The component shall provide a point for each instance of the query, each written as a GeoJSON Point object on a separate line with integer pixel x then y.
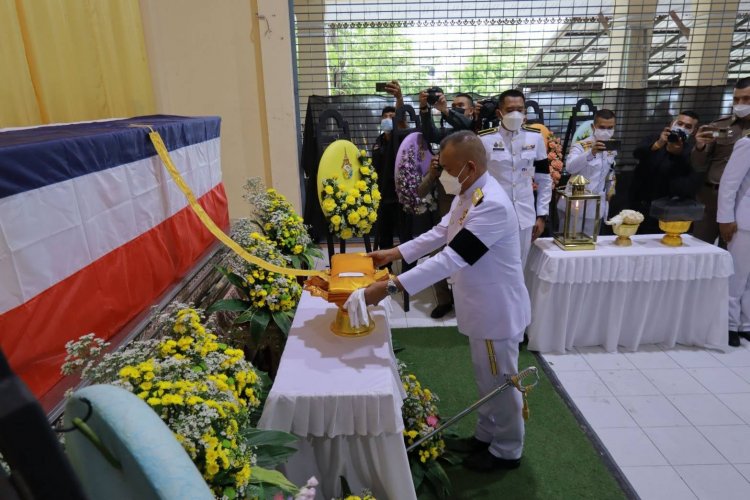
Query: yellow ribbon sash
{"type": "Point", "coordinates": [161, 149]}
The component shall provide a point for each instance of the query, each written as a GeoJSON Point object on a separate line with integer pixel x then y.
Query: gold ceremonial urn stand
{"type": "Point", "coordinates": [624, 232]}
{"type": "Point", "coordinates": [342, 327]}
{"type": "Point", "coordinates": [673, 230]}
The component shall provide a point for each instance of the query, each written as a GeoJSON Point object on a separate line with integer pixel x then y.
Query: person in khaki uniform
{"type": "Point", "coordinates": [713, 147]}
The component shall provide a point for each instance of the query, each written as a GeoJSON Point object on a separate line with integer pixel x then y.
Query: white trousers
{"type": "Point", "coordinates": [500, 420]}
{"type": "Point", "coordinates": [525, 236]}
{"type": "Point", "coordinates": [739, 282]}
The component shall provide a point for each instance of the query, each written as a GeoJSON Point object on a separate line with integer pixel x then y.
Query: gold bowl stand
{"type": "Point", "coordinates": [673, 230]}
{"type": "Point", "coordinates": [343, 328]}
{"type": "Point", "coordinates": [624, 232]}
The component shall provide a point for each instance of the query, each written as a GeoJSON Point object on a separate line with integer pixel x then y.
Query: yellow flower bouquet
{"type": "Point", "coordinates": [204, 390]}
{"type": "Point", "coordinates": [352, 211]}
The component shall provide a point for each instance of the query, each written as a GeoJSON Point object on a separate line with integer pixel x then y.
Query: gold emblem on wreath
{"type": "Point", "coordinates": [347, 167]}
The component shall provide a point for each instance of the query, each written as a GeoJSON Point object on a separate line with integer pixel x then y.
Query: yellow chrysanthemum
{"type": "Point", "coordinates": [353, 218]}
{"type": "Point", "coordinates": [346, 234]}
{"type": "Point", "coordinates": [351, 200]}
{"type": "Point", "coordinates": [329, 189]}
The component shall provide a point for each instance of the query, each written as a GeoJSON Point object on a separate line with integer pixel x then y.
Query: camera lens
{"type": "Point", "coordinates": [432, 95]}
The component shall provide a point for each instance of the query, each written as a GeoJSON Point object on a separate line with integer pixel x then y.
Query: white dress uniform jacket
{"type": "Point", "coordinates": [482, 255]}
{"type": "Point", "coordinates": [734, 206]}
{"type": "Point", "coordinates": [595, 168]}
{"type": "Point", "coordinates": [514, 159]}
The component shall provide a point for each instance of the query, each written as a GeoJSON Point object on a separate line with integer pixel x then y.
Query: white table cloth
{"type": "Point", "coordinates": [342, 397]}
{"type": "Point", "coordinates": [626, 296]}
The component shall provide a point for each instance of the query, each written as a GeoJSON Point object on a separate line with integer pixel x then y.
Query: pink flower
{"type": "Point", "coordinates": [432, 420]}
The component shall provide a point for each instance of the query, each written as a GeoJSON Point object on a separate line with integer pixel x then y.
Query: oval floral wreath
{"type": "Point", "coordinates": [352, 212]}
{"type": "Point", "coordinates": [407, 183]}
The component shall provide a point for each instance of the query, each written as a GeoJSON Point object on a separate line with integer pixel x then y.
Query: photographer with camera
{"type": "Point", "coordinates": [664, 169]}
{"type": "Point", "coordinates": [460, 115]}
{"type": "Point", "coordinates": [713, 147]}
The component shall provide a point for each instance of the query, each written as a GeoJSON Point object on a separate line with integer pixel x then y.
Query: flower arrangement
{"type": "Point", "coordinates": [421, 416]}
{"type": "Point", "coordinates": [279, 221]}
{"type": "Point", "coordinates": [554, 155]}
{"type": "Point", "coordinates": [629, 217]}
{"type": "Point", "coordinates": [202, 389]}
{"type": "Point", "coordinates": [264, 296]}
{"type": "Point", "coordinates": [352, 212]}
{"type": "Point", "coordinates": [407, 182]}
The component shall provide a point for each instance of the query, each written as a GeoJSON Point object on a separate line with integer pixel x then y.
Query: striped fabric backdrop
{"type": "Point", "coordinates": [93, 229]}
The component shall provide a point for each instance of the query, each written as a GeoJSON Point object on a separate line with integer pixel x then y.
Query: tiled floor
{"type": "Point", "coordinates": [676, 421]}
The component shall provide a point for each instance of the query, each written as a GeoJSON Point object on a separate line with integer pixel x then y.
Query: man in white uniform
{"type": "Point", "coordinates": [733, 216]}
{"type": "Point", "coordinates": [592, 159]}
{"type": "Point", "coordinates": [483, 257]}
{"type": "Point", "coordinates": [516, 155]}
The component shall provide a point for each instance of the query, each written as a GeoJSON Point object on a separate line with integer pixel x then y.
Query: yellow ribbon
{"type": "Point", "coordinates": [210, 225]}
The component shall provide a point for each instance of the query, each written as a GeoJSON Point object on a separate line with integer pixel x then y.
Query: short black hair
{"type": "Point", "coordinates": [511, 93]}
{"type": "Point", "coordinates": [691, 114]}
{"type": "Point", "coordinates": [742, 83]}
{"type": "Point", "coordinates": [604, 114]}
{"type": "Point", "coordinates": [467, 96]}
{"type": "Point", "coordinates": [388, 109]}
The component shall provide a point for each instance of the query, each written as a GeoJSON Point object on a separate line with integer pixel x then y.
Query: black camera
{"type": "Point", "coordinates": [432, 95]}
{"type": "Point", "coordinates": [487, 111]}
{"type": "Point", "coordinates": [677, 135]}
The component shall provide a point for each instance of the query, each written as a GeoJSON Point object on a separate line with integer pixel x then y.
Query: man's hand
{"type": "Point", "coordinates": [422, 100]}
{"type": "Point", "coordinates": [435, 170]}
{"type": "Point", "coordinates": [704, 137]}
{"type": "Point", "coordinates": [381, 258]}
{"type": "Point", "coordinates": [538, 228]}
{"type": "Point", "coordinates": [727, 230]}
{"type": "Point", "coordinates": [375, 293]}
{"type": "Point", "coordinates": [663, 139]}
{"type": "Point", "coordinates": [394, 88]}
{"type": "Point", "coordinates": [441, 104]}
{"type": "Point", "coordinates": [598, 147]}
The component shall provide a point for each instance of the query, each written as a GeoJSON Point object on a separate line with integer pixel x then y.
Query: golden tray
{"type": "Point", "coordinates": [349, 272]}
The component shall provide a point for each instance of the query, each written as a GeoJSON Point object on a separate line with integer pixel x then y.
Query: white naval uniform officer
{"type": "Point", "coordinates": [482, 255]}
{"type": "Point", "coordinates": [590, 159]}
{"type": "Point", "coordinates": [516, 156]}
{"type": "Point", "coordinates": [733, 216]}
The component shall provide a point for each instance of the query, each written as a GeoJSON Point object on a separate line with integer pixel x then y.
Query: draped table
{"type": "Point", "coordinates": [342, 397]}
{"type": "Point", "coordinates": [613, 296]}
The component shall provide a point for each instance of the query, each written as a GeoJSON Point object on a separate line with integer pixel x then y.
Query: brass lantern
{"type": "Point", "coordinates": [579, 202]}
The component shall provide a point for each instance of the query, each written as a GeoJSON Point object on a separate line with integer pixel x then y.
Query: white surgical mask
{"type": "Point", "coordinates": [386, 124]}
{"type": "Point", "coordinates": [513, 120]}
{"type": "Point", "coordinates": [741, 110]}
{"type": "Point", "coordinates": [603, 134]}
{"type": "Point", "coordinates": [451, 184]}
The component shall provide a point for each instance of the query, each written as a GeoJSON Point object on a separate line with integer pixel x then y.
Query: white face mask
{"type": "Point", "coordinates": [741, 110]}
{"type": "Point", "coordinates": [451, 184]}
{"type": "Point", "coordinates": [386, 124]}
{"type": "Point", "coordinates": [603, 134]}
{"type": "Point", "coordinates": [513, 120]}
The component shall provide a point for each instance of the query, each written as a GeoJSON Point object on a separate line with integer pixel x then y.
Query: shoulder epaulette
{"type": "Point", "coordinates": [477, 197]}
{"type": "Point", "coordinates": [487, 131]}
{"type": "Point", "coordinates": [531, 129]}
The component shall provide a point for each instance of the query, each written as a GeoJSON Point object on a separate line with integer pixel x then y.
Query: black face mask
{"type": "Point", "coordinates": [460, 111]}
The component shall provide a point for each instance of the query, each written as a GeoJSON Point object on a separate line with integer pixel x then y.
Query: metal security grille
{"type": "Point", "coordinates": [645, 60]}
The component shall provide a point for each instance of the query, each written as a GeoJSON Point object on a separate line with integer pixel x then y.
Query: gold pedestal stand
{"type": "Point", "coordinates": [343, 328]}
{"type": "Point", "coordinates": [673, 230]}
{"type": "Point", "coordinates": [624, 232]}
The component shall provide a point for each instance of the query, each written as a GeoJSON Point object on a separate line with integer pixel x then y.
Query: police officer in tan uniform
{"type": "Point", "coordinates": [483, 256]}
{"type": "Point", "coordinates": [713, 147]}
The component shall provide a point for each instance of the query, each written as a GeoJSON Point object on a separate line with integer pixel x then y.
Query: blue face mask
{"type": "Point", "coordinates": [386, 124]}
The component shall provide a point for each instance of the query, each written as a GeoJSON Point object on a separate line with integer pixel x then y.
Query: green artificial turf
{"type": "Point", "coordinates": [559, 460]}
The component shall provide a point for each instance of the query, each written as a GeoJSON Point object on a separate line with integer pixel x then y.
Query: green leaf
{"type": "Point", "coordinates": [345, 489]}
{"type": "Point", "coordinates": [228, 305]}
{"type": "Point", "coordinates": [417, 472]}
{"type": "Point", "coordinates": [226, 443]}
{"type": "Point", "coordinates": [451, 458]}
{"type": "Point", "coordinates": [295, 261]}
{"type": "Point", "coordinates": [283, 320]}
{"type": "Point", "coordinates": [197, 369]}
{"type": "Point", "coordinates": [230, 493]}
{"type": "Point", "coordinates": [260, 437]}
{"type": "Point", "coordinates": [233, 278]}
{"type": "Point", "coordinates": [439, 480]}
{"type": "Point", "coordinates": [272, 456]}
{"type": "Point", "coordinates": [274, 478]}
{"type": "Point", "coordinates": [259, 322]}
{"type": "Point", "coordinates": [223, 347]}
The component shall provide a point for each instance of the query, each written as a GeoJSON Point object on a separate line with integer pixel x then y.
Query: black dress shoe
{"type": "Point", "coordinates": [744, 335]}
{"type": "Point", "coordinates": [466, 445]}
{"type": "Point", "coordinates": [441, 310]}
{"type": "Point", "coordinates": [484, 461]}
{"type": "Point", "coordinates": [734, 339]}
